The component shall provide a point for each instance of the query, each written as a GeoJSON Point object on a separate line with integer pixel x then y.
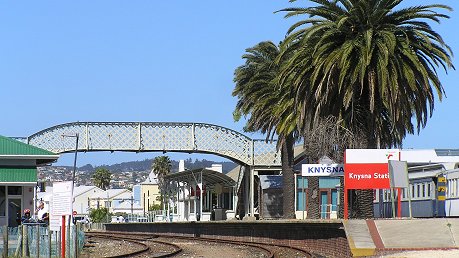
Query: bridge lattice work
{"type": "Point", "coordinates": [158, 136]}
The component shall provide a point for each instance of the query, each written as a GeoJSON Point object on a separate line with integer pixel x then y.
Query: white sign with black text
{"type": "Point", "coordinates": [322, 170]}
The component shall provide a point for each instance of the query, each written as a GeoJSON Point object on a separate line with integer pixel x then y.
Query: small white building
{"type": "Point", "coordinates": [216, 200]}
{"type": "Point", "coordinates": [110, 198]}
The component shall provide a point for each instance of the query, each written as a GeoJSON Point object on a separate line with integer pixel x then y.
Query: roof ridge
{"type": "Point", "coordinates": [15, 147]}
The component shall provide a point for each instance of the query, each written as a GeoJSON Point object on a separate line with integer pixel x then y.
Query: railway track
{"type": "Point", "coordinates": [168, 246]}
{"type": "Point", "coordinates": [146, 244]}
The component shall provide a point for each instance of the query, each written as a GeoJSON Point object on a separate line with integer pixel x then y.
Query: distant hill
{"type": "Point", "coordinates": [145, 165]}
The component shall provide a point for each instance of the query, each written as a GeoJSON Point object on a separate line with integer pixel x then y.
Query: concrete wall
{"type": "Point", "coordinates": [328, 239]}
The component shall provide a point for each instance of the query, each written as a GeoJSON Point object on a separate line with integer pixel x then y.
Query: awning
{"type": "Point", "coordinates": [18, 174]}
{"type": "Point", "coordinates": [209, 177]}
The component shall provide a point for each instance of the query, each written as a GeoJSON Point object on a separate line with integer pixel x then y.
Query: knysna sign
{"type": "Point", "coordinates": [322, 170]}
{"type": "Point", "coordinates": [368, 169]}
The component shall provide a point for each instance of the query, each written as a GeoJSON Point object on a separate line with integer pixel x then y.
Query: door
{"type": "Point", "coordinates": [324, 213]}
{"type": "Point", "coordinates": [14, 211]}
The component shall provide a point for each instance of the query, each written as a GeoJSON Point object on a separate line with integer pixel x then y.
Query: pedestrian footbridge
{"type": "Point", "coordinates": [157, 136]}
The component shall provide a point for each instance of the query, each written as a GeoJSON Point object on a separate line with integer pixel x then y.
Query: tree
{"type": "Point", "coordinates": [161, 166]}
{"type": "Point", "coordinates": [101, 178]}
{"type": "Point", "coordinates": [269, 108]}
{"type": "Point", "coordinates": [369, 65]}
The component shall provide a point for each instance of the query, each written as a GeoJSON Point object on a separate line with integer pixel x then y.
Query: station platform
{"type": "Point", "coordinates": [371, 237]}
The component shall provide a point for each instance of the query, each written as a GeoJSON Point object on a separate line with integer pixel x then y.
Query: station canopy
{"type": "Point", "coordinates": [209, 177]}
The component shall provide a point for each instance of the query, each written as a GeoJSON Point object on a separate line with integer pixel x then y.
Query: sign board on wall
{"type": "Point", "coordinates": [322, 170]}
{"type": "Point", "coordinates": [368, 168]}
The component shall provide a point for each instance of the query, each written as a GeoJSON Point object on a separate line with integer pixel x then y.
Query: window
{"type": "Point", "coordinates": [412, 191]}
{"type": "Point", "coordinates": [2, 201]}
{"type": "Point", "coordinates": [418, 192]}
{"type": "Point", "coordinates": [14, 190]}
{"type": "Point", "coordinates": [424, 190]}
{"type": "Point", "coordinates": [429, 189]}
{"type": "Point", "coordinates": [301, 199]}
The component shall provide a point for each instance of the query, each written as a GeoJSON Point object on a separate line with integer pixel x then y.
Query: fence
{"type": "Point", "coordinates": [150, 216]}
{"type": "Point", "coordinates": [36, 240]}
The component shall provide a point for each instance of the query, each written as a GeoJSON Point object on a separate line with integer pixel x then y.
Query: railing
{"type": "Point", "coordinates": [158, 136]}
{"type": "Point", "coordinates": [36, 240]}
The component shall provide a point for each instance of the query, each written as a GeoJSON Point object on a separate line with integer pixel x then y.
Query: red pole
{"type": "Point", "coordinates": [399, 203]}
{"type": "Point", "coordinates": [63, 237]}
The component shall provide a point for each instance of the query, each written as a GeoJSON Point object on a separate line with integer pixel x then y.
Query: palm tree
{"type": "Point", "coordinates": [161, 166]}
{"type": "Point", "coordinates": [370, 65]}
{"type": "Point", "coordinates": [269, 108]}
{"type": "Point", "coordinates": [101, 178]}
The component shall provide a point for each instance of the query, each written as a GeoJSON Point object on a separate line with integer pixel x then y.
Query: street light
{"type": "Point", "coordinates": [76, 135]}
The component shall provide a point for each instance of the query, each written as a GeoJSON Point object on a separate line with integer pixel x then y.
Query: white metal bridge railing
{"type": "Point", "coordinates": [158, 136]}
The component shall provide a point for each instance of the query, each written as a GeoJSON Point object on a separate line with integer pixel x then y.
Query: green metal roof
{"type": "Point", "coordinates": [25, 174]}
{"type": "Point", "coordinates": [9, 146]}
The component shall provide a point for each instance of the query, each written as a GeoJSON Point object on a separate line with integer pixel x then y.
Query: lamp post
{"type": "Point", "coordinates": [76, 136]}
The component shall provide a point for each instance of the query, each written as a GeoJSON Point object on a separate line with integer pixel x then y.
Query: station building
{"type": "Point", "coordinates": [18, 177]}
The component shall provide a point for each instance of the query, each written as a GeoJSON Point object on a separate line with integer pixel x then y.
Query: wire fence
{"type": "Point", "coordinates": [36, 240]}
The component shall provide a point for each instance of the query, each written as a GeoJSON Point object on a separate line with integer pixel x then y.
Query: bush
{"type": "Point", "coordinates": [99, 215]}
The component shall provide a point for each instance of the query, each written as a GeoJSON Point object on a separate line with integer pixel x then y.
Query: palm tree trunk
{"type": "Point", "coordinates": [363, 203]}
{"type": "Point", "coordinates": [288, 179]}
{"type": "Point", "coordinates": [313, 198]}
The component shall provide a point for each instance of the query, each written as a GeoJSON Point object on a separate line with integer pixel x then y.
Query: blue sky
{"type": "Point", "coordinates": [111, 60]}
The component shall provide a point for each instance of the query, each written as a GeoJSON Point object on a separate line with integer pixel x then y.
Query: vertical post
{"type": "Point", "coordinates": [247, 192]}
{"type": "Point", "coordinates": [392, 199]}
{"type": "Point", "coordinates": [346, 215]}
{"type": "Point", "coordinates": [75, 239]}
{"type": "Point", "coordinates": [50, 243]}
{"type": "Point", "coordinates": [5, 241]}
{"type": "Point", "coordinates": [409, 200]}
{"type": "Point", "coordinates": [200, 197]}
{"type": "Point", "coordinates": [68, 242]}
{"type": "Point", "coordinates": [87, 136]}
{"type": "Point", "coordinates": [57, 243]}
{"type": "Point", "coordinates": [139, 138]}
{"type": "Point", "coordinates": [304, 195]}
{"type": "Point", "coordinates": [399, 202]}
{"type": "Point", "coordinates": [252, 193]}
{"type": "Point", "coordinates": [25, 241]}
{"type": "Point", "coordinates": [19, 244]}
{"type": "Point", "coordinates": [132, 205]}
{"type": "Point", "coordinates": [253, 152]}
{"type": "Point", "coordinates": [193, 140]}
{"type": "Point", "coordinates": [38, 241]}
{"type": "Point", "coordinates": [63, 237]}
{"type": "Point", "coordinates": [144, 204]}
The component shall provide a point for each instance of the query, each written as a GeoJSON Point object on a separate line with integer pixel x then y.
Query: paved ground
{"type": "Point", "coordinates": [366, 237]}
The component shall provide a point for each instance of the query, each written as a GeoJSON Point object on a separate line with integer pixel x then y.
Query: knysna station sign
{"type": "Point", "coordinates": [367, 169]}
